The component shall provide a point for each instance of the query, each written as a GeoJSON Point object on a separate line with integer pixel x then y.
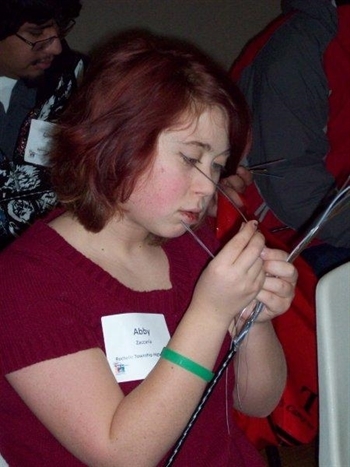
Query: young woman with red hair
{"type": "Point", "coordinates": [94, 294]}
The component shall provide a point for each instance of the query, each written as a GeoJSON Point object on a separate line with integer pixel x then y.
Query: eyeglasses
{"type": "Point", "coordinates": [63, 28]}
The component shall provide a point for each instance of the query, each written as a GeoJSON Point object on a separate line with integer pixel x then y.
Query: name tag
{"type": "Point", "coordinates": [39, 142]}
{"type": "Point", "coordinates": [133, 343]}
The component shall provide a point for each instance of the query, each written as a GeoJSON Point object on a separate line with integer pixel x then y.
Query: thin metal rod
{"type": "Point", "coordinates": [262, 168]}
{"type": "Point", "coordinates": [198, 240]}
{"type": "Point", "coordinates": [264, 173]}
{"type": "Point", "coordinates": [262, 165]}
{"type": "Point", "coordinates": [222, 191]}
{"type": "Point", "coordinates": [337, 204]}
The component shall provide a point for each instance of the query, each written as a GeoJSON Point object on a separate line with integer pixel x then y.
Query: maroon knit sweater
{"type": "Point", "coordinates": [52, 299]}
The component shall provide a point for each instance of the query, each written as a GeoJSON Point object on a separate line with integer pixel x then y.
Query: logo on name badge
{"type": "Point", "coordinates": [119, 368]}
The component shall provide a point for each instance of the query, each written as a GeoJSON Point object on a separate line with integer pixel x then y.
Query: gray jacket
{"type": "Point", "coordinates": [287, 91]}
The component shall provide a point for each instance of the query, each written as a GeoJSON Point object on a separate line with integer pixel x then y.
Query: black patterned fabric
{"type": "Point", "coordinates": [25, 190]}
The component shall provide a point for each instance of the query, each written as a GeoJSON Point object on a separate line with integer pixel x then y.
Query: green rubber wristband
{"type": "Point", "coordinates": [187, 364]}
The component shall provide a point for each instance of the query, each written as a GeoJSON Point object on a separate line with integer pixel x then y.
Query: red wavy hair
{"type": "Point", "coordinates": [135, 88]}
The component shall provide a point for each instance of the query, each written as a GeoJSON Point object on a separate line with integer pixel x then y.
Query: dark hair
{"type": "Point", "coordinates": [14, 13]}
{"type": "Point", "coordinates": [135, 88]}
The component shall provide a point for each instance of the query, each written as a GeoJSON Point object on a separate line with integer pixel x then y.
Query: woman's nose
{"type": "Point", "coordinates": [205, 184]}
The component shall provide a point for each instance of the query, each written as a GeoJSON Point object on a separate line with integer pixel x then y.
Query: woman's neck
{"type": "Point", "coordinates": [123, 251]}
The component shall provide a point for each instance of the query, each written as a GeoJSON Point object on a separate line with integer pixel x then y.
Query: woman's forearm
{"type": "Point", "coordinates": [260, 370]}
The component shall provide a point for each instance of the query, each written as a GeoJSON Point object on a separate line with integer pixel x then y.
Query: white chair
{"type": "Point", "coordinates": [333, 345]}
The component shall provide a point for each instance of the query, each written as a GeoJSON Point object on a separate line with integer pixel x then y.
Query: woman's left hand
{"type": "Point", "coordinates": [278, 290]}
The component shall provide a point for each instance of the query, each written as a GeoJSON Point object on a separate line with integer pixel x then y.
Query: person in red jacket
{"type": "Point", "coordinates": [295, 77]}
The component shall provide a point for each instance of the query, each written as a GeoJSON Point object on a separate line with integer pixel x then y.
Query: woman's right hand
{"type": "Point", "coordinates": [234, 277]}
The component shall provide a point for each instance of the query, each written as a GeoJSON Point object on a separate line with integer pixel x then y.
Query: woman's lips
{"type": "Point", "coordinates": [192, 217]}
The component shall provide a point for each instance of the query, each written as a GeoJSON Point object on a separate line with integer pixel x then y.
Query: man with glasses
{"type": "Point", "coordinates": [38, 73]}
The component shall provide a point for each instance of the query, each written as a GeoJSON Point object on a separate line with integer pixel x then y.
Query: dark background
{"type": "Point", "coordinates": [219, 27]}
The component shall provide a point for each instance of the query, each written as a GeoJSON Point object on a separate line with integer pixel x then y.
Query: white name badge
{"type": "Point", "coordinates": [39, 142]}
{"type": "Point", "coordinates": [133, 343]}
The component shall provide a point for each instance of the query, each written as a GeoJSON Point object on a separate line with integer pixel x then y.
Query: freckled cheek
{"type": "Point", "coordinates": [167, 195]}
{"type": "Point", "coordinates": [171, 192]}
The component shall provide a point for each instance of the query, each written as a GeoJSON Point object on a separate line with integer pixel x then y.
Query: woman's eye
{"type": "Point", "coordinates": [189, 160]}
